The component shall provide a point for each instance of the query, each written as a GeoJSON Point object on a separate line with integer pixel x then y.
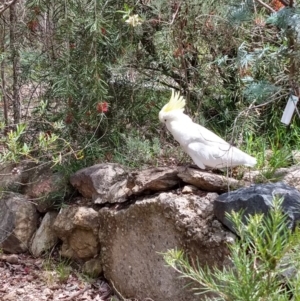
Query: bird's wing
{"type": "Point", "coordinates": [207, 137]}
{"type": "Point", "coordinates": [193, 151]}
{"type": "Point", "coordinates": [218, 155]}
{"type": "Point", "coordinates": [222, 150]}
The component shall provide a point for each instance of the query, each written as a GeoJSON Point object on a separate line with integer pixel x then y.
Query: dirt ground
{"type": "Point", "coordinates": [23, 277]}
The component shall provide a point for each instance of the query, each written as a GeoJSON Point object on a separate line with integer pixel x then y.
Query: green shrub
{"type": "Point", "coordinates": [265, 262]}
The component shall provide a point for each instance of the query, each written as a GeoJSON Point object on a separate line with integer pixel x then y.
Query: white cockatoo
{"type": "Point", "coordinates": [203, 146]}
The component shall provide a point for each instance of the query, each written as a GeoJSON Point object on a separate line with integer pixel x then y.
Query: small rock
{"type": "Point", "coordinates": [292, 177]}
{"type": "Point", "coordinates": [251, 176]}
{"type": "Point", "coordinates": [296, 156]}
{"type": "Point", "coordinates": [10, 296]}
{"type": "Point", "coordinates": [20, 291]}
{"type": "Point", "coordinates": [188, 189]}
{"type": "Point", "coordinates": [47, 291]}
{"type": "Point", "coordinates": [13, 259]}
{"type": "Point", "coordinates": [268, 154]}
{"type": "Point", "coordinates": [45, 237]}
{"type": "Point", "coordinates": [30, 278]}
{"type": "Point", "coordinates": [93, 267]}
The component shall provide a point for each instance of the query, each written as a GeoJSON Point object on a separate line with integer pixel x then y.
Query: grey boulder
{"type": "Point", "coordinates": [258, 199]}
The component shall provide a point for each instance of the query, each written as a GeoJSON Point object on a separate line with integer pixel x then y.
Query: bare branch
{"type": "Point", "coordinates": [285, 3]}
{"type": "Point", "coordinates": [269, 8]}
{"type": "Point", "coordinates": [6, 5]}
{"type": "Point", "coordinates": [175, 14]}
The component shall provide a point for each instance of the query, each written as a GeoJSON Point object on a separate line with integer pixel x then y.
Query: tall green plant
{"type": "Point", "coordinates": [234, 61]}
{"type": "Point", "coordinates": [64, 52]}
{"type": "Point", "coordinates": [101, 69]}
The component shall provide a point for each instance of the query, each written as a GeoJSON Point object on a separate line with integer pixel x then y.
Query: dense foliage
{"type": "Point", "coordinates": [83, 81]}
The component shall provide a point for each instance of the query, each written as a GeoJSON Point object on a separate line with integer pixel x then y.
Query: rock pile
{"type": "Point", "coordinates": [118, 223]}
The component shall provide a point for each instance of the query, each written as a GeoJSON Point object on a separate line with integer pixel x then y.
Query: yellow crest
{"type": "Point", "coordinates": [176, 102]}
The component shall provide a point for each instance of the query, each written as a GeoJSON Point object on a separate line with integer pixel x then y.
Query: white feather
{"type": "Point", "coordinates": [203, 146]}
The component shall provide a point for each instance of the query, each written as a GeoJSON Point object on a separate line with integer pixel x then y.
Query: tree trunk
{"type": "Point", "coordinates": [15, 62]}
{"type": "Point", "coordinates": [2, 72]}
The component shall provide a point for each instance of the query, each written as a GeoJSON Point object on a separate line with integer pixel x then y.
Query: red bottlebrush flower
{"type": "Point", "coordinates": [33, 25]}
{"type": "Point", "coordinates": [69, 118]}
{"type": "Point", "coordinates": [260, 22]}
{"type": "Point", "coordinates": [102, 107]}
{"type": "Point", "coordinates": [36, 10]}
{"type": "Point", "coordinates": [48, 135]}
{"type": "Point", "coordinates": [276, 4]}
{"type": "Point", "coordinates": [178, 52]}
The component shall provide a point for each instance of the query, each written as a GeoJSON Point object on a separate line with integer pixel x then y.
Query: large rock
{"type": "Point", "coordinates": [14, 176]}
{"type": "Point", "coordinates": [7, 220]}
{"type": "Point", "coordinates": [258, 199]}
{"type": "Point", "coordinates": [208, 181]}
{"type": "Point", "coordinates": [133, 238]}
{"type": "Point", "coordinates": [44, 238]}
{"type": "Point", "coordinates": [46, 188]}
{"type": "Point", "coordinates": [18, 222]}
{"type": "Point", "coordinates": [153, 180]}
{"type": "Point", "coordinates": [110, 183]}
{"type": "Point", "coordinates": [78, 228]}
{"type": "Point", "coordinates": [104, 183]}
{"type": "Point", "coordinates": [39, 183]}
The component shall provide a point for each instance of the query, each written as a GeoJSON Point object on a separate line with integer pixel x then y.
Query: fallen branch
{"type": "Point", "coordinates": [266, 6]}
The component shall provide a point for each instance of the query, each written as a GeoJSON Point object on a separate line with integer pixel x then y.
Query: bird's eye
{"type": "Point", "coordinates": [165, 120]}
